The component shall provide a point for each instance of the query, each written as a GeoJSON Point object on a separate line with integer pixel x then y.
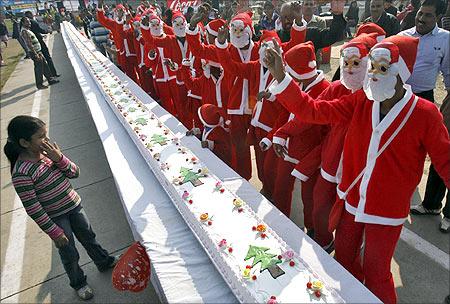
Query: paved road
{"type": "Point", "coordinates": [31, 270]}
{"type": "Point", "coordinates": [30, 267]}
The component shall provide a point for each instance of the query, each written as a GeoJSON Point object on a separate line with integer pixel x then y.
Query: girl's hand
{"type": "Point", "coordinates": [61, 241]}
{"type": "Point", "coordinates": [52, 151]}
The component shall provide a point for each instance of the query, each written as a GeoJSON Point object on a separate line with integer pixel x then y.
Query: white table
{"type": "Point", "coordinates": [181, 270]}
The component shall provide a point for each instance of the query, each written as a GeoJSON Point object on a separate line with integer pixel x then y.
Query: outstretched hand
{"type": "Point", "coordinates": [222, 34]}
{"type": "Point", "coordinates": [274, 62]}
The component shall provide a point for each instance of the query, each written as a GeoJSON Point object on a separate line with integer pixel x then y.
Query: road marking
{"type": "Point", "coordinates": [13, 263]}
{"type": "Point", "coordinates": [422, 245]}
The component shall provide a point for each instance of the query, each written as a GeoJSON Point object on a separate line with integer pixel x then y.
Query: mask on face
{"type": "Point", "coordinates": [353, 71]}
{"type": "Point", "coordinates": [156, 28]}
{"type": "Point", "coordinates": [262, 51]}
{"type": "Point", "coordinates": [240, 42]}
{"type": "Point", "coordinates": [179, 27]}
{"type": "Point", "coordinates": [380, 81]}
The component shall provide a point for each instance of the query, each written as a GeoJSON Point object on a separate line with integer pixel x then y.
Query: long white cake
{"type": "Point", "coordinates": [254, 261]}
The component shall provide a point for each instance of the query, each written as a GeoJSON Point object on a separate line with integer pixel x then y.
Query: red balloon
{"type": "Point", "coordinates": [132, 272]}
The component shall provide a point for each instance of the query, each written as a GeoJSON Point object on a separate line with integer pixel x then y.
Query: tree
{"type": "Point", "coordinates": [190, 176]}
{"type": "Point", "coordinates": [158, 139]}
{"type": "Point", "coordinates": [267, 260]}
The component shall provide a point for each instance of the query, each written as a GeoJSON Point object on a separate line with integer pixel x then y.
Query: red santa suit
{"type": "Point", "coordinates": [178, 49]}
{"type": "Point", "coordinates": [206, 89]}
{"type": "Point", "coordinates": [145, 74]}
{"type": "Point", "coordinates": [215, 135]}
{"type": "Point", "coordinates": [383, 159]}
{"type": "Point", "coordinates": [115, 26]}
{"type": "Point", "coordinates": [164, 78]}
{"type": "Point", "coordinates": [130, 66]}
{"type": "Point", "coordinates": [300, 139]}
{"type": "Point", "coordinates": [241, 101]}
{"type": "Point", "coordinates": [325, 189]}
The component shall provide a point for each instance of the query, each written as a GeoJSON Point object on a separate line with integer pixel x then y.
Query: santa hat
{"type": "Point", "coordinates": [359, 46]}
{"type": "Point", "coordinates": [301, 61]}
{"type": "Point", "coordinates": [210, 115]}
{"type": "Point", "coordinates": [149, 11]}
{"type": "Point", "coordinates": [401, 50]}
{"type": "Point", "coordinates": [137, 18]}
{"type": "Point", "coordinates": [269, 35]}
{"type": "Point", "coordinates": [213, 26]}
{"type": "Point", "coordinates": [154, 17]}
{"type": "Point", "coordinates": [178, 14]}
{"type": "Point", "coordinates": [370, 27]}
{"type": "Point", "coordinates": [244, 20]}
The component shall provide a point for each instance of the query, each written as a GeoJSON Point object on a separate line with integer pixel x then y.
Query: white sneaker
{"type": "Point", "coordinates": [421, 210]}
{"type": "Point", "coordinates": [445, 225]}
{"type": "Point", "coordinates": [85, 293]}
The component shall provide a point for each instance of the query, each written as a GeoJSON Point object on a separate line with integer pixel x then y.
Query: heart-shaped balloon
{"type": "Point", "coordinates": [132, 272]}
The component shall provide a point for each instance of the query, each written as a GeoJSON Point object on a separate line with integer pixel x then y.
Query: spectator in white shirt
{"type": "Point", "coordinates": [433, 55]}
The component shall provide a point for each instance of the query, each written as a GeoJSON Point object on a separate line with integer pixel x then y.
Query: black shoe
{"type": "Point", "coordinates": [310, 233]}
{"type": "Point", "coordinates": [113, 263]}
{"type": "Point", "coordinates": [42, 87]}
{"type": "Point", "coordinates": [53, 81]}
{"type": "Point", "coordinates": [447, 300]}
{"type": "Point", "coordinates": [57, 75]}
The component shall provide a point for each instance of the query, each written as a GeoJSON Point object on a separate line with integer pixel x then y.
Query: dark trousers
{"type": "Point", "coordinates": [75, 222]}
{"type": "Point", "coordinates": [48, 58]}
{"type": "Point", "coordinates": [40, 69]}
{"type": "Point", "coordinates": [435, 192]}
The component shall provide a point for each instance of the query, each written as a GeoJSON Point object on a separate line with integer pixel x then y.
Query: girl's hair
{"type": "Point", "coordinates": [20, 127]}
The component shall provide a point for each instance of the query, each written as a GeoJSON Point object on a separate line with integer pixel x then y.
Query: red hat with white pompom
{"type": "Point", "coordinates": [269, 35]}
{"type": "Point", "coordinates": [243, 20]}
{"type": "Point", "coordinates": [359, 46]}
{"type": "Point", "coordinates": [178, 14]}
{"type": "Point", "coordinates": [369, 28]}
{"type": "Point", "coordinates": [210, 115]}
{"type": "Point", "coordinates": [400, 51]}
{"type": "Point", "coordinates": [213, 26]}
{"type": "Point", "coordinates": [301, 61]}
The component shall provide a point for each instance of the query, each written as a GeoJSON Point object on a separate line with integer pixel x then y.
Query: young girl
{"type": "Point", "coordinates": [40, 174]}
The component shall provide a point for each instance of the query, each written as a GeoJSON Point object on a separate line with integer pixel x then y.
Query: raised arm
{"type": "Point", "coordinates": [109, 23]}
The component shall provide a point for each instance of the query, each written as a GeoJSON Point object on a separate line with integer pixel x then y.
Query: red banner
{"type": "Point", "coordinates": [180, 5]}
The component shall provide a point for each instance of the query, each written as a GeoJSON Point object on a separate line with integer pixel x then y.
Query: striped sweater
{"type": "Point", "coordinates": [45, 190]}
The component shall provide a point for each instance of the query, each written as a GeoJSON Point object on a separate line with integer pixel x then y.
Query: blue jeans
{"type": "Point", "coordinates": [75, 222]}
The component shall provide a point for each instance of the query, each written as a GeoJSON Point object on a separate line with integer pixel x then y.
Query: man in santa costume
{"type": "Point", "coordinates": [144, 73]}
{"type": "Point", "coordinates": [390, 132]}
{"type": "Point", "coordinates": [215, 135]}
{"type": "Point", "coordinates": [294, 141]}
{"type": "Point", "coordinates": [128, 46]}
{"type": "Point", "coordinates": [164, 78]}
{"type": "Point", "coordinates": [178, 49]}
{"type": "Point", "coordinates": [115, 26]}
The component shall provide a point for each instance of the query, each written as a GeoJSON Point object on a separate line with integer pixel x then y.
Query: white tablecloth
{"type": "Point", "coordinates": [181, 270]}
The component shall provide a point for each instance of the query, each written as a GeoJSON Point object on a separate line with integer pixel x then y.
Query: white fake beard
{"type": "Point", "coordinates": [353, 81]}
{"type": "Point", "coordinates": [240, 42]}
{"type": "Point", "coordinates": [382, 89]}
{"type": "Point", "coordinates": [179, 31]}
{"type": "Point", "coordinates": [156, 32]}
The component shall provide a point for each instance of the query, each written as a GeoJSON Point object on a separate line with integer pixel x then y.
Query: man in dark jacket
{"type": "Point", "coordinates": [388, 22]}
{"type": "Point", "coordinates": [38, 31]}
{"type": "Point", "coordinates": [319, 37]}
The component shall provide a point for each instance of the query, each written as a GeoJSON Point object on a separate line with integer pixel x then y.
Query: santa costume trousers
{"type": "Point", "coordinates": [146, 81]}
{"type": "Point", "coordinates": [324, 198]}
{"type": "Point", "coordinates": [270, 171]}
{"type": "Point", "coordinates": [130, 68]}
{"type": "Point", "coordinates": [380, 243]}
{"type": "Point", "coordinates": [241, 149]}
{"type": "Point", "coordinates": [163, 89]}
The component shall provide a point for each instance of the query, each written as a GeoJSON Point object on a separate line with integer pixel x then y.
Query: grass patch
{"type": "Point", "coordinates": [11, 56]}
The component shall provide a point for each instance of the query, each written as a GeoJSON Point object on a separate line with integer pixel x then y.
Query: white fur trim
{"type": "Point", "coordinates": [379, 53]}
{"type": "Point", "coordinates": [374, 219]}
{"type": "Point", "coordinates": [267, 142]}
{"type": "Point", "coordinates": [327, 176]}
{"type": "Point", "coordinates": [299, 28]}
{"type": "Point", "coordinates": [186, 62]}
{"type": "Point", "coordinates": [151, 57]}
{"type": "Point", "coordinates": [312, 64]}
{"type": "Point", "coordinates": [145, 27]}
{"type": "Point", "coordinates": [299, 175]}
{"type": "Point", "coordinates": [380, 38]}
{"type": "Point", "coordinates": [211, 31]}
{"type": "Point", "coordinates": [277, 88]}
{"type": "Point", "coordinates": [193, 95]}
{"type": "Point", "coordinates": [271, 98]}
{"type": "Point", "coordinates": [403, 70]}
{"type": "Point", "coordinates": [290, 159]}
{"type": "Point", "coordinates": [350, 51]}
{"type": "Point", "coordinates": [300, 76]}
{"type": "Point", "coordinates": [204, 122]}
{"type": "Point", "coordinates": [221, 46]}
{"type": "Point", "coordinates": [192, 33]}
{"type": "Point", "coordinates": [279, 140]}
